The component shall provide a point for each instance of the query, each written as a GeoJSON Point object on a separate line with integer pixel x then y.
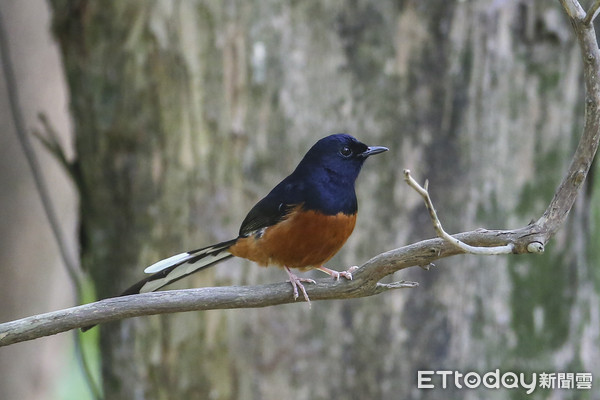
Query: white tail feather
{"type": "Point", "coordinates": [167, 262]}
{"type": "Point", "coordinates": [180, 265]}
{"type": "Point", "coordinates": [180, 271]}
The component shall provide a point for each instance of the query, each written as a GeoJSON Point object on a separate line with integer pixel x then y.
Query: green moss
{"type": "Point", "coordinates": [541, 286]}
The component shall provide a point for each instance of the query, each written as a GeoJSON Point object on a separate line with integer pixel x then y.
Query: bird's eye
{"type": "Point", "coordinates": [346, 151]}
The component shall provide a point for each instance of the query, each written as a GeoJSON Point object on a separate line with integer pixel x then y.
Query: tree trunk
{"type": "Point", "coordinates": [186, 113]}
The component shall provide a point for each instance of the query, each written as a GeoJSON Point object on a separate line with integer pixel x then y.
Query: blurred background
{"type": "Point", "coordinates": [177, 116]}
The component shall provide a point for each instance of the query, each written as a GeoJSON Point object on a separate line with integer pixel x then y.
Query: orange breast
{"type": "Point", "coordinates": [305, 240]}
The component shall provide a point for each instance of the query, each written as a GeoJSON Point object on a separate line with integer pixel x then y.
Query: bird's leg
{"type": "Point", "coordinates": [297, 283]}
{"type": "Point", "coordinates": [336, 274]}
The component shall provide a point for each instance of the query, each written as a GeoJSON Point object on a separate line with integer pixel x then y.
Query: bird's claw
{"type": "Point", "coordinates": [348, 273]}
{"type": "Point", "coordinates": [345, 274]}
{"type": "Point", "coordinates": [297, 283]}
{"type": "Point", "coordinates": [336, 274]}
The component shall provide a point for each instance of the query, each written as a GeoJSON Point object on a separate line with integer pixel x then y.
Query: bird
{"type": "Point", "coordinates": [300, 224]}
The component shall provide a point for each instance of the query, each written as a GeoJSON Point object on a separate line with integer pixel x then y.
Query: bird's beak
{"type": "Point", "coordinates": [373, 150]}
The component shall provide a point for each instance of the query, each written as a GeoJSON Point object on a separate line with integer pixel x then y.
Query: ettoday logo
{"type": "Point", "coordinates": [507, 380]}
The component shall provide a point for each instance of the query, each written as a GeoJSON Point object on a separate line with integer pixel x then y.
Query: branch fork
{"type": "Point", "coordinates": [423, 191]}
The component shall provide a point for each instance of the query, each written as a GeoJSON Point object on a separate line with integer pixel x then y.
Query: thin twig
{"type": "Point", "coordinates": [69, 260]}
{"type": "Point", "coordinates": [496, 250]}
{"type": "Point", "coordinates": [36, 171]}
{"type": "Point", "coordinates": [573, 9]}
{"type": "Point", "coordinates": [51, 142]}
{"type": "Point", "coordinates": [592, 13]}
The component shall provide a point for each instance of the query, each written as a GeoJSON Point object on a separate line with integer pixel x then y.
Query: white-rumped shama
{"type": "Point", "coordinates": [301, 223]}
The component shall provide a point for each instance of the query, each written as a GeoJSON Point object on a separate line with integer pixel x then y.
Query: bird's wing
{"type": "Point", "coordinates": [273, 208]}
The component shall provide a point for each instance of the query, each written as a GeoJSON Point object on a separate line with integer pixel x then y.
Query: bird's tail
{"type": "Point", "coordinates": [179, 266]}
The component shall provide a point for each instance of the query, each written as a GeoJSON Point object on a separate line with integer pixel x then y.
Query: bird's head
{"type": "Point", "coordinates": [339, 155]}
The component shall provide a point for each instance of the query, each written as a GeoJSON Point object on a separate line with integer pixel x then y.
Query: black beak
{"type": "Point", "coordinates": [373, 150]}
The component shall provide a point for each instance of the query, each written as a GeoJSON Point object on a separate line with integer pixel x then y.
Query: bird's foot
{"type": "Point", "coordinates": [336, 274]}
{"type": "Point", "coordinates": [297, 283]}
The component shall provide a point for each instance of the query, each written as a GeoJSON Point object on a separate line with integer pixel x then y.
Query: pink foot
{"type": "Point", "coordinates": [297, 283]}
{"type": "Point", "coordinates": [336, 274]}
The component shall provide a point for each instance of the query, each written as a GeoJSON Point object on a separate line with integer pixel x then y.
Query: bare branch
{"type": "Point", "coordinates": [496, 250]}
{"type": "Point", "coordinates": [51, 142]}
{"type": "Point", "coordinates": [67, 254]}
{"type": "Point", "coordinates": [529, 239]}
{"type": "Point", "coordinates": [565, 195]}
{"type": "Point", "coordinates": [573, 9]}
{"type": "Point", "coordinates": [365, 283]}
{"type": "Point", "coordinates": [592, 13]}
{"type": "Point", "coordinates": [384, 287]}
